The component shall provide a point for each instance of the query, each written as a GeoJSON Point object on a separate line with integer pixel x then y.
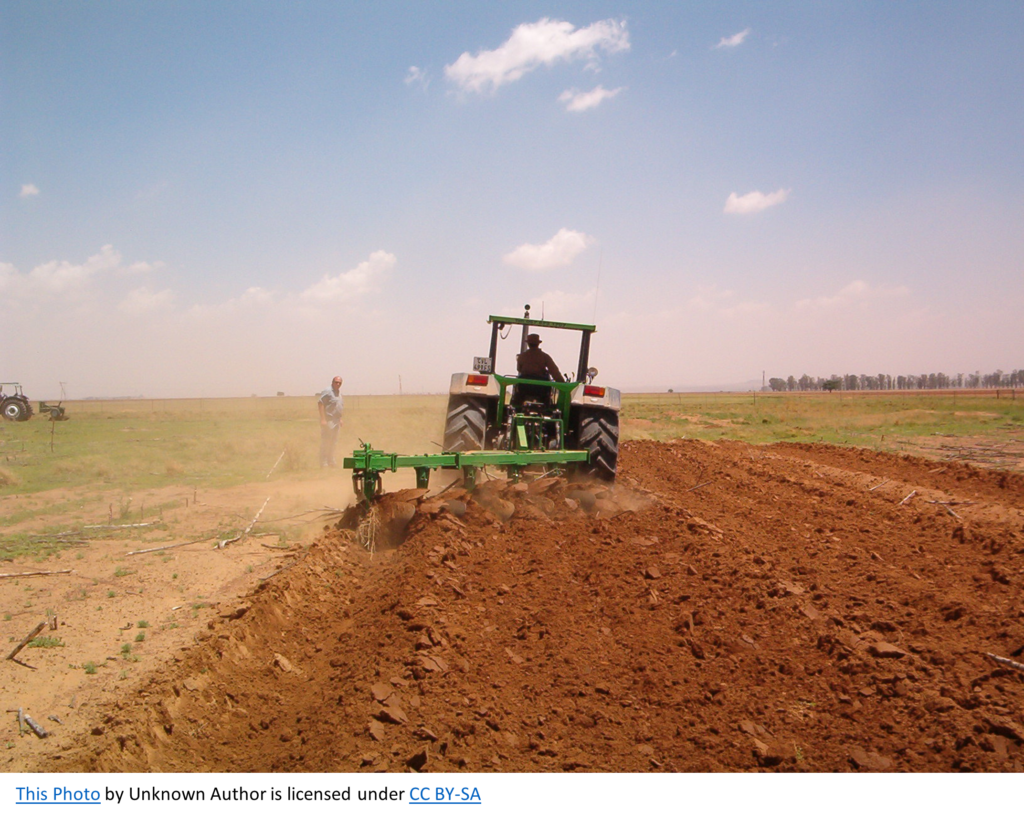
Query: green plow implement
{"type": "Point", "coordinates": [367, 465]}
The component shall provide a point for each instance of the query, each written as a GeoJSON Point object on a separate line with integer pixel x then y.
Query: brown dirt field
{"type": "Point", "coordinates": [102, 591]}
{"type": "Point", "coordinates": [725, 607]}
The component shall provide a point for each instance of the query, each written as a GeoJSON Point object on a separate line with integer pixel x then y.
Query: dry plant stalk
{"type": "Point", "coordinates": [37, 729]}
{"type": "Point", "coordinates": [27, 639]}
{"type": "Point", "coordinates": [271, 471]}
{"type": "Point", "coordinates": [1008, 662]}
{"type": "Point", "coordinates": [368, 530]}
{"type": "Point", "coordinates": [164, 548]}
{"type": "Point", "coordinates": [34, 574]}
{"type": "Point", "coordinates": [221, 544]}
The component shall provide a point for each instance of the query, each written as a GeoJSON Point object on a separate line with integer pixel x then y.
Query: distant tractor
{"type": "Point", "coordinates": [491, 411]}
{"type": "Point", "coordinates": [14, 406]}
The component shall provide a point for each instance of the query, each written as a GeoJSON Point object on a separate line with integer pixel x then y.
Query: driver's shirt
{"type": "Point", "coordinates": [537, 364]}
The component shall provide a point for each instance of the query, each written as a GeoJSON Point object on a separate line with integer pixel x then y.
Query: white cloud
{"type": "Point", "coordinates": [328, 291]}
{"type": "Point", "coordinates": [726, 302]}
{"type": "Point", "coordinates": [733, 40]}
{"type": "Point", "coordinates": [142, 300]}
{"type": "Point", "coordinates": [721, 303]}
{"type": "Point", "coordinates": [60, 278]}
{"type": "Point", "coordinates": [560, 250]}
{"type": "Point", "coordinates": [755, 201]}
{"type": "Point", "coordinates": [8, 276]}
{"type": "Point", "coordinates": [351, 284]}
{"type": "Point", "coordinates": [140, 268]}
{"type": "Point", "coordinates": [29, 190]}
{"type": "Point", "coordinates": [577, 102]}
{"type": "Point", "coordinates": [253, 298]}
{"type": "Point", "coordinates": [415, 75]}
{"type": "Point", "coordinates": [532, 45]}
{"type": "Point", "coordinates": [854, 292]}
{"type": "Point", "coordinates": [257, 296]}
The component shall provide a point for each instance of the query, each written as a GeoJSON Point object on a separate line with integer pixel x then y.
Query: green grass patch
{"type": "Point", "coordinates": [36, 547]}
{"type": "Point", "coordinates": [205, 443]}
{"type": "Point", "coordinates": [841, 418]}
{"type": "Point", "coordinates": [54, 541]}
{"type": "Point", "coordinates": [45, 642]}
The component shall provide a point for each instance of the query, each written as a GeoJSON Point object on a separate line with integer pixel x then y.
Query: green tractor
{"type": "Point", "coordinates": [490, 411]}
{"type": "Point", "coordinates": [520, 424]}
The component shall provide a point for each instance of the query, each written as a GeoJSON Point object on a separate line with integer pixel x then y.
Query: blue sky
{"type": "Point", "coordinates": [232, 198]}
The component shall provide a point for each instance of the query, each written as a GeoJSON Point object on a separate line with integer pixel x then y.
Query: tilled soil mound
{"type": "Point", "coordinates": [724, 608]}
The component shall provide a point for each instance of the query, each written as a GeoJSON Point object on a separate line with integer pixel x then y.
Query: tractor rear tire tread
{"type": "Point", "coordinates": [465, 427]}
{"type": "Point", "coordinates": [599, 434]}
{"type": "Point", "coordinates": [15, 410]}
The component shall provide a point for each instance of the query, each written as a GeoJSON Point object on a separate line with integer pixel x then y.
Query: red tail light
{"type": "Point", "coordinates": [590, 390]}
{"type": "Point", "coordinates": [479, 381]}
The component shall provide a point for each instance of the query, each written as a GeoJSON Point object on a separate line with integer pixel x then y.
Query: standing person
{"type": "Point", "coordinates": [330, 406]}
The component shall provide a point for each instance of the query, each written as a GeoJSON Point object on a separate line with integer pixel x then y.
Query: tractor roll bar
{"type": "Point", "coordinates": [499, 322]}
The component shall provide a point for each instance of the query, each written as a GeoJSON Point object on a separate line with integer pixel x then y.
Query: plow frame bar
{"type": "Point", "coordinates": [367, 465]}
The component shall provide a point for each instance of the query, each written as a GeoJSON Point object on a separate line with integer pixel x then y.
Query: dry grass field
{"type": "Point", "coordinates": [126, 445]}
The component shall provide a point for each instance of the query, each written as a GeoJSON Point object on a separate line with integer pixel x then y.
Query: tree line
{"type": "Point", "coordinates": [883, 381]}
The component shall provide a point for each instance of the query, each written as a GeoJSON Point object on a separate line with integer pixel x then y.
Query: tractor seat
{"type": "Point", "coordinates": [523, 395]}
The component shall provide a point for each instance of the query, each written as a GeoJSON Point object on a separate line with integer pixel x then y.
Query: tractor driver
{"type": "Point", "coordinates": [536, 364]}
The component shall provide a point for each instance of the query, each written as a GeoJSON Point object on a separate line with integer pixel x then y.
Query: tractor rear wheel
{"type": "Point", "coordinates": [598, 433]}
{"type": "Point", "coordinates": [15, 410]}
{"type": "Point", "coordinates": [465, 427]}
